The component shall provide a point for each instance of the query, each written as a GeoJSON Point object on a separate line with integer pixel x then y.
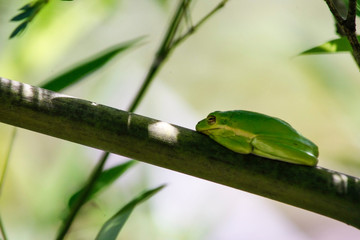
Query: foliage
{"type": "Point", "coordinates": [105, 179]}
{"type": "Point", "coordinates": [334, 46]}
{"type": "Point", "coordinates": [100, 179]}
{"type": "Point", "coordinates": [90, 65]}
{"type": "Point", "coordinates": [112, 227]}
{"type": "Point", "coordinates": [345, 27]}
{"type": "Point", "coordinates": [27, 13]}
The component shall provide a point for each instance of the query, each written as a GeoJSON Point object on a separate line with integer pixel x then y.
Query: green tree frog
{"type": "Point", "coordinates": [250, 132]}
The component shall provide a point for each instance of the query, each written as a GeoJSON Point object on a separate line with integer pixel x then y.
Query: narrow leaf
{"type": "Point", "coordinates": [105, 179]}
{"type": "Point", "coordinates": [90, 65]}
{"type": "Point", "coordinates": [19, 29]}
{"type": "Point", "coordinates": [333, 46]}
{"type": "Point", "coordinates": [26, 6]}
{"type": "Point", "coordinates": [21, 16]}
{"type": "Point", "coordinates": [112, 227]}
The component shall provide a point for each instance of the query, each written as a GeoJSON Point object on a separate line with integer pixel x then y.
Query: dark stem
{"type": "Point", "coordinates": [2, 230]}
{"type": "Point", "coordinates": [161, 54]}
{"type": "Point", "coordinates": [351, 16]}
{"type": "Point", "coordinates": [7, 159]}
{"type": "Point", "coordinates": [347, 27]}
{"type": "Point", "coordinates": [2, 180]}
{"type": "Point", "coordinates": [83, 197]}
{"type": "Point", "coordinates": [195, 27]}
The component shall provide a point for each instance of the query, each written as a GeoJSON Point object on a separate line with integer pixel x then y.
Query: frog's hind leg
{"type": "Point", "coordinates": [283, 149]}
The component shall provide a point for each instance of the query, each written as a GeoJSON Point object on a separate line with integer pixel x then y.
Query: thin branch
{"type": "Point", "coordinates": [202, 21]}
{"type": "Point", "coordinates": [347, 26]}
{"type": "Point", "coordinates": [83, 197]}
{"type": "Point", "coordinates": [7, 160]}
{"type": "Point", "coordinates": [351, 16]}
{"type": "Point", "coordinates": [316, 189]}
{"type": "Point", "coordinates": [161, 54]}
{"type": "Point", "coordinates": [2, 177]}
{"type": "Point", "coordinates": [169, 44]}
{"type": "Point", "coordinates": [334, 11]}
{"type": "Point", "coordinates": [158, 61]}
{"type": "Point", "coordinates": [2, 230]}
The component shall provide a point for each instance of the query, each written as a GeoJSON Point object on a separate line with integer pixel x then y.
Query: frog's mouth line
{"type": "Point", "coordinates": [207, 131]}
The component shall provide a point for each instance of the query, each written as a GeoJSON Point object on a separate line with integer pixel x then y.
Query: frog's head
{"type": "Point", "coordinates": [213, 122]}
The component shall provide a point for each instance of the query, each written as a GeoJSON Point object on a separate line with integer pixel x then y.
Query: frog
{"type": "Point", "coordinates": [248, 132]}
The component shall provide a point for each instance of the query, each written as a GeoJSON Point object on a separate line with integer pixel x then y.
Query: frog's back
{"type": "Point", "coordinates": [258, 123]}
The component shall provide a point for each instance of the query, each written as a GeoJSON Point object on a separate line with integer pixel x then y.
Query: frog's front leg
{"type": "Point", "coordinates": [235, 143]}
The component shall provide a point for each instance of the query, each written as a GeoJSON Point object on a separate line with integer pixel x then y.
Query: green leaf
{"type": "Point", "coordinates": [90, 65]}
{"type": "Point", "coordinates": [106, 178]}
{"type": "Point", "coordinates": [22, 16]}
{"type": "Point", "coordinates": [19, 29]}
{"type": "Point", "coordinates": [333, 46]}
{"type": "Point", "coordinates": [26, 7]}
{"type": "Point", "coordinates": [27, 14]}
{"type": "Point", "coordinates": [29, 10]}
{"type": "Point", "coordinates": [112, 227]}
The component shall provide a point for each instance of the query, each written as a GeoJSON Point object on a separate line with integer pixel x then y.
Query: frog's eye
{"type": "Point", "coordinates": [211, 120]}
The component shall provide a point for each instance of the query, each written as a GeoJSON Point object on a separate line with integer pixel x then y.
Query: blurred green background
{"type": "Point", "coordinates": [244, 57]}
